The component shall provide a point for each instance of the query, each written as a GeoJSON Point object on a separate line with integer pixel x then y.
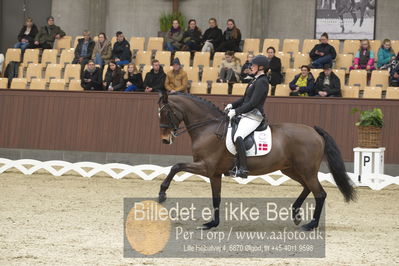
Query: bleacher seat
{"type": "Point", "coordinates": [199, 88]}
{"type": "Point", "coordinates": [282, 90]}
{"type": "Point", "coordinates": [53, 71]}
{"type": "Point", "coordinates": [38, 84]}
{"type": "Point", "coordinates": [220, 88]}
{"type": "Point", "coordinates": [163, 57]}
{"type": "Point", "coordinates": [105, 71]}
{"type": "Point", "coordinates": [49, 56]}
{"type": "Point", "coordinates": [72, 71]}
{"type": "Point", "coordinates": [239, 88]}
{"type": "Point", "coordinates": [19, 83]}
{"type": "Point", "coordinates": [33, 71]}
{"type": "Point", "coordinates": [291, 46]}
{"type": "Point", "coordinates": [63, 43]}
{"type": "Point", "coordinates": [341, 75]}
{"type": "Point", "coordinates": [210, 74]}
{"type": "Point", "coordinates": [395, 45]}
{"type": "Point", "coordinates": [375, 46]}
{"type": "Point", "coordinates": [351, 46]}
{"type": "Point", "coordinates": [344, 61]}
{"type": "Point", "coordinates": [75, 42]}
{"type": "Point", "coordinates": [217, 59]}
{"type": "Point", "coordinates": [192, 73]}
{"type": "Point", "coordinates": [201, 59]}
{"type": "Point", "coordinates": [57, 84]}
{"type": "Point", "coordinates": [316, 72]}
{"type": "Point", "coordinates": [275, 43]}
{"type": "Point", "coordinates": [242, 56]}
{"type": "Point", "coordinates": [155, 43]}
{"type": "Point", "coordinates": [137, 43]}
{"type": "Point", "coordinates": [350, 91]}
{"type": "Point", "coordinates": [75, 85]}
{"type": "Point", "coordinates": [251, 45]}
{"type": "Point", "coordinates": [301, 59]}
{"type": "Point", "coordinates": [358, 77]}
{"type": "Point", "coordinates": [380, 78]}
{"type": "Point", "coordinates": [113, 41]}
{"type": "Point", "coordinates": [336, 44]}
{"type": "Point", "coordinates": [290, 74]}
{"type": "Point", "coordinates": [308, 45]}
{"type": "Point", "coordinates": [285, 60]}
{"type": "Point", "coordinates": [12, 54]}
{"type": "Point", "coordinates": [67, 56]}
{"type": "Point", "coordinates": [184, 58]}
{"type": "Point", "coordinates": [392, 93]}
{"type": "Point", "coordinates": [3, 83]}
{"type": "Point", "coordinates": [31, 56]}
{"type": "Point", "coordinates": [372, 92]}
{"type": "Point", "coordinates": [143, 58]}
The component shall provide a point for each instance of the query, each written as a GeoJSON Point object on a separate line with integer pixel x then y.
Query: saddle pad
{"type": "Point", "coordinates": [263, 143]}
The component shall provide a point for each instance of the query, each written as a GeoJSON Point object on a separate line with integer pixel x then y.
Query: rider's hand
{"type": "Point", "coordinates": [228, 107]}
{"type": "Point", "coordinates": [231, 113]}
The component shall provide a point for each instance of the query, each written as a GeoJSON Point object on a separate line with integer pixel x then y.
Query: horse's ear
{"type": "Point", "coordinates": [163, 97]}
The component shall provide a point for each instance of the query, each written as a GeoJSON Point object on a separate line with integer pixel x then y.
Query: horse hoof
{"type": "Point", "coordinates": [296, 216]}
{"type": "Point", "coordinates": [297, 220]}
{"type": "Point", "coordinates": [161, 197]}
{"type": "Point", "coordinates": [309, 226]}
{"type": "Point", "coordinates": [209, 225]}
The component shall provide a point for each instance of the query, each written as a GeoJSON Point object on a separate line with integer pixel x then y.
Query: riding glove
{"type": "Point", "coordinates": [231, 113]}
{"type": "Point", "coordinates": [228, 107]}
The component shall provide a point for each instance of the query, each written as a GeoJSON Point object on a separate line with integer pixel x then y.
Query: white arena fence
{"type": "Point", "coordinates": [118, 171]}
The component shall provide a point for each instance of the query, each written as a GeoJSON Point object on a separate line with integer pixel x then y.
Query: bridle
{"type": "Point", "coordinates": [174, 126]}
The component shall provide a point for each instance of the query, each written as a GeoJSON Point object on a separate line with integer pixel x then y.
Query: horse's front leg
{"type": "Point", "coordinates": [195, 168]}
{"type": "Point", "coordinates": [216, 184]}
{"type": "Point", "coordinates": [341, 17]}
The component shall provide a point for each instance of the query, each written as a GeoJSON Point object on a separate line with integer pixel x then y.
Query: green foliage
{"type": "Point", "coordinates": [166, 19]}
{"type": "Point", "coordinates": [370, 117]}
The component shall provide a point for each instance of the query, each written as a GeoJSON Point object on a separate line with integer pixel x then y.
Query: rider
{"type": "Point", "coordinates": [250, 109]}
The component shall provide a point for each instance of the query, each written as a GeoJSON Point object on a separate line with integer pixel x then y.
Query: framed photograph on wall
{"type": "Point", "coordinates": [346, 19]}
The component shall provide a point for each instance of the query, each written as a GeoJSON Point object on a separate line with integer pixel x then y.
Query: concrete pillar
{"type": "Point", "coordinates": [97, 16]}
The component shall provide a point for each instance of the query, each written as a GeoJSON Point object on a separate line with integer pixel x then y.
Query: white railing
{"type": "Point", "coordinates": [90, 169]}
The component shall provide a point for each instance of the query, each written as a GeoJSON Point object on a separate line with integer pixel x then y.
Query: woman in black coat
{"type": "Point", "coordinates": [134, 81]}
{"type": "Point", "coordinates": [274, 74]}
{"type": "Point", "coordinates": [26, 36]}
{"type": "Point", "coordinates": [231, 38]}
{"type": "Point", "coordinates": [114, 78]}
{"type": "Point", "coordinates": [212, 36]}
{"type": "Point", "coordinates": [192, 37]}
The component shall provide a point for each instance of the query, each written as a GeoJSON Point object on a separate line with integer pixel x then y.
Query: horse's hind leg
{"type": "Point", "coordinates": [354, 18]}
{"type": "Point", "coordinates": [341, 17]}
{"type": "Point", "coordinates": [320, 195]}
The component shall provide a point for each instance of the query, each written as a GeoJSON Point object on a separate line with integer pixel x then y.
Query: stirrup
{"type": "Point", "coordinates": [237, 172]}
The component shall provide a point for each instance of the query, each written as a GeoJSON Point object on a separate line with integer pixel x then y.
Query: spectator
{"type": "Point", "coordinates": [192, 37]}
{"type": "Point", "coordinates": [364, 58]}
{"type": "Point", "coordinates": [230, 68]}
{"type": "Point", "coordinates": [134, 81]}
{"type": "Point", "coordinates": [385, 55]}
{"type": "Point", "coordinates": [394, 72]}
{"type": "Point", "coordinates": [303, 83]}
{"type": "Point", "coordinates": [114, 77]}
{"type": "Point", "coordinates": [323, 53]}
{"type": "Point", "coordinates": [174, 37]}
{"type": "Point", "coordinates": [155, 79]}
{"type": "Point", "coordinates": [26, 36]}
{"type": "Point", "coordinates": [1, 62]}
{"type": "Point", "coordinates": [83, 50]}
{"type": "Point", "coordinates": [274, 73]}
{"type": "Point", "coordinates": [48, 34]}
{"type": "Point", "coordinates": [102, 51]}
{"type": "Point", "coordinates": [231, 38]}
{"type": "Point", "coordinates": [91, 79]}
{"type": "Point", "coordinates": [327, 84]}
{"type": "Point", "coordinates": [121, 52]}
{"type": "Point", "coordinates": [212, 36]}
{"type": "Point", "coordinates": [246, 72]}
{"type": "Point", "coordinates": [176, 79]}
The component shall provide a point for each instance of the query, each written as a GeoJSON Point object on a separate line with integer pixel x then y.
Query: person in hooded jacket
{"type": "Point", "coordinates": [303, 83]}
{"type": "Point", "coordinates": [231, 38]}
{"type": "Point", "coordinates": [114, 78]}
{"type": "Point", "coordinates": [327, 83]}
{"type": "Point", "coordinates": [48, 34]}
{"type": "Point", "coordinates": [173, 40]}
{"type": "Point", "coordinates": [92, 78]}
{"type": "Point", "coordinates": [121, 52]}
{"type": "Point", "coordinates": [322, 53]}
{"type": "Point", "coordinates": [155, 79]}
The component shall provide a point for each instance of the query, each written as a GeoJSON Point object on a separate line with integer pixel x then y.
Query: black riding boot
{"type": "Point", "coordinates": [241, 170]}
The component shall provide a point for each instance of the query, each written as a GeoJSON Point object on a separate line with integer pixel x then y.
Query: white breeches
{"type": "Point", "coordinates": [208, 47]}
{"type": "Point", "coordinates": [246, 127]}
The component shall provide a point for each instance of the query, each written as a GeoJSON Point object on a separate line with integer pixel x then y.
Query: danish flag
{"type": "Point", "coordinates": [263, 147]}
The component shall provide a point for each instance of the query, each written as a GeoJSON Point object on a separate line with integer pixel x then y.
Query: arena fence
{"type": "Point", "coordinates": [150, 172]}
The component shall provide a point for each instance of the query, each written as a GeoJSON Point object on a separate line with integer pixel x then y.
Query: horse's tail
{"type": "Point", "coordinates": [337, 166]}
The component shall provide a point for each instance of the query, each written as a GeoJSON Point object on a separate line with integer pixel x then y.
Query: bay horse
{"type": "Point", "coordinates": [345, 6]}
{"type": "Point", "coordinates": [297, 151]}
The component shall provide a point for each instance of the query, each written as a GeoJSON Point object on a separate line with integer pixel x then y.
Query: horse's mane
{"type": "Point", "coordinates": [198, 99]}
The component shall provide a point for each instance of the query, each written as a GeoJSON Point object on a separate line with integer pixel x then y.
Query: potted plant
{"type": "Point", "coordinates": [166, 19]}
{"type": "Point", "coordinates": [369, 127]}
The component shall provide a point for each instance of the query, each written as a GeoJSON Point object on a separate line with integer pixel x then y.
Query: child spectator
{"type": "Point", "coordinates": [84, 50]}
{"type": "Point", "coordinates": [192, 37]}
{"type": "Point", "coordinates": [155, 79]}
{"type": "Point", "coordinates": [102, 51]}
{"type": "Point", "coordinates": [385, 55]}
{"type": "Point", "coordinates": [274, 73]}
{"type": "Point", "coordinates": [176, 79]}
{"type": "Point", "coordinates": [174, 37]}
{"type": "Point", "coordinates": [230, 68]}
{"type": "Point", "coordinates": [246, 72]}
{"type": "Point", "coordinates": [323, 53]}
{"type": "Point", "coordinates": [91, 78]}
{"type": "Point", "coordinates": [212, 36]}
{"type": "Point", "coordinates": [134, 81]}
{"type": "Point", "coordinates": [114, 77]}
{"type": "Point", "coordinates": [303, 83]}
{"type": "Point", "coordinates": [364, 58]}
{"type": "Point", "coordinates": [121, 52]}
{"type": "Point", "coordinates": [48, 34]}
{"type": "Point", "coordinates": [26, 36]}
{"type": "Point", "coordinates": [327, 84]}
{"type": "Point", "coordinates": [231, 38]}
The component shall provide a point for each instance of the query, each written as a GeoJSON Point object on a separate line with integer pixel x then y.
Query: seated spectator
{"type": "Point", "coordinates": [121, 52]}
{"type": "Point", "coordinates": [1, 62]}
{"type": "Point", "coordinates": [231, 38]}
{"type": "Point", "coordinates": [246, 72]}
{"type": "Point", "coordinates": [327, 84]}
{"type": "Point", "coordinates": [192, 37]}
{"type": "Point", "coordinates": [155, 79]}
{"type": "Point", "coordinates": [385, 55]}
{"type": "Point", "coordinates": [114, 78]}
{"type": "Point", "coordinates": [323, 53]}
{"type": "Point", "coordinates": [102, 51]}
{"type": "Point", "coordinates": [134, 81]}
{"type": "Point", "coordinates": [274, 73]}
{"type": "Point", "coordinates": [303, 83]}
{"type": "Point", "coordinates": [230, 68]}
{"type": "Point", "coordinates": [394, 72]}
{"type": "Point", "coordinates": [176, 79]}
{"type": "Point", "coordinates": [174, 37]}
{"type": "Point", "coordinates": [83, 50]}
{"type": "Point", "coordinates": [212, 37]}
{"type": "Point", "coordinates": [26, 36]}
{"type": "Point", "coordinates": [364, 58]}
{"type": "Point", "coordinates": [48, 34]}
{"type": "Point", "coordinates": [92, 78]}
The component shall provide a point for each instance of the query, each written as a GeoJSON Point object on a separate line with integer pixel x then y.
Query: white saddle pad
{"type": "Point", "coordinates": [263, 143]}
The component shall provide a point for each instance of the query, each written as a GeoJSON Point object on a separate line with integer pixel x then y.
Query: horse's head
{"type": "Point", "coordinates": [169, 119]}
